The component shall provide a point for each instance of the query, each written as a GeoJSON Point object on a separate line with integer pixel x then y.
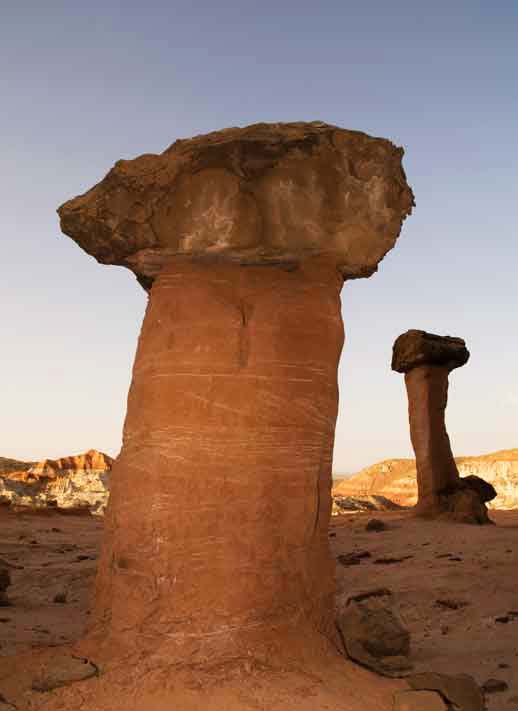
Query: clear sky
{"type": "Point", "coordinates": [83, 84]}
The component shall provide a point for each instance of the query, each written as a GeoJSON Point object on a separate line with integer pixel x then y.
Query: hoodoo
{"type": "Point", "coordinates": [426, 359]}
{"type": "Point", "coordinates": [243, 238]}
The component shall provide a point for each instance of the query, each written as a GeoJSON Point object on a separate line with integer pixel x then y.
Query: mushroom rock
{"type": "Point", "coordinates": [243, 238]}
{"type": "Point", "coordinates": [426, 359]}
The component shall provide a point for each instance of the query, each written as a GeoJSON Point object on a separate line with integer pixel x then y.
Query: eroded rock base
{"type": "Point", "coordinates": [216, 529]}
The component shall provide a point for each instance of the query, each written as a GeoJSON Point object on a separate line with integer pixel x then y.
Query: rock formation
{"type": "Point", "coordinates": [80, 481]}
{"type": "Point", "coordinates": [244, 238]}
{"type": "Point", "coordinates": [395, 480]}
{"type": "Point", "coordinates": [426, 360]}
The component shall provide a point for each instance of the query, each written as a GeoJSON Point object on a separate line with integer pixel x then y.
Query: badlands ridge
{"type": "Point", "coordinates": [82, 481]}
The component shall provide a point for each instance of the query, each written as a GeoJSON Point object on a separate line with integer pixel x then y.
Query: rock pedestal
{"type": "Point", "coordinates": [220, 503]}
{"type": "Point", "coordinates": [426, 360]}
{"type": "Point", "coordinates": [216, 530]}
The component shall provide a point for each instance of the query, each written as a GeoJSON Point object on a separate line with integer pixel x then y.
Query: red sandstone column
{"type": "Point", "coordinates": [426, 359]}
{"type": "Point", "coordinates": [217, 522]}
{"type": "Point", "coordinates": [427, 388]}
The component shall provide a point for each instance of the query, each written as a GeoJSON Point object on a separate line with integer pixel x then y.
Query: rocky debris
{"type": "Point", "coordinates": [450, 604]}
{"type": "Point", "coordinates": [391, 561]}
{"type": "Point", "coordinates": [374, 524]}
{"type": "Point", "coordinates": [349, 504]}
{"type": "Point", "coordinates": [374, 635]}
{"type": "Point", "coordinates": [5, 702]}
{"type": "Point", "coordinates": [426, 360]}
{"type": "Point", "coordinates": [246, 235]}
{"type": "Point", "coordinates": [461, 691]}
{"type": "Point", "coordinates": [353, 558]}
{"type": "Point", "coordinates": [511, 616]}
{"type": "Point", "coordinates": [418, 701]}
{"type": "Point", "coordinates": [493, 686]}
{"type": "Point", "coordinates": [395, 480]}
{"type": "Point", "coordinates": [62, 670]}
{"type": "Point", "coordinates": [5, 582]}
{"type": "Point", "coordinates": [75, 483]}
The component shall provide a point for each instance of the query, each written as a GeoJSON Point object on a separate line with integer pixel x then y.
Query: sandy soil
{"type": "Point", "coordinates": [456, 587]}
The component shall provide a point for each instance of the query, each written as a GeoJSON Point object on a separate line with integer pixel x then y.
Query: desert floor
{"type": "Point", "coordinates": [456, 587]}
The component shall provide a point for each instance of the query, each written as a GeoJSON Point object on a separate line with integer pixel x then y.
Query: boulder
{"type": "Point", "coordinates": [415, 348]}
{"type": "Point", "coordinates": [374, 634]}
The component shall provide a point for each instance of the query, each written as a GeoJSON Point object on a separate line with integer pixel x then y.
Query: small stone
{"type": "Point", "coordinates": [60, 597]}
{"type": "Point", "coordinates": [354, 558]}
{"type": "Point", "coordinates": [503, 620]}
{"type": "Point", "coordinates": [418, 701]}
{"type": "Point", "coordinates": [451, 604]}
{"type": "Point", "coordinates": [375, 525]}
{"type": "Point", "coordinates": [391, 561]}
{"type": "Point", "coordinates": [492, 686]}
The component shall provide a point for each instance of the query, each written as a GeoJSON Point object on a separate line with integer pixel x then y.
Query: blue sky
{"type": "Point", "coordinates": [84, 84]}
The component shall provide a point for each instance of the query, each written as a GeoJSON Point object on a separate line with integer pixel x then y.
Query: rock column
{"type": "Point", "coordinates": [216, 530]}
{"type": "Point", "coordinates": [217, 525]}
{"type": "Point", "coordinates": [426, 360]}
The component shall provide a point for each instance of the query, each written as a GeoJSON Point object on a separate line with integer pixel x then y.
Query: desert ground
{"type": "Point", "coordinates": [456, 588]}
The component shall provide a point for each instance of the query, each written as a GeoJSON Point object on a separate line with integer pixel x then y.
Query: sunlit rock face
{"type": "Point", "coordinates": [262, 193]}
{"type": "Point", "coordinates": [79, 481]}
{"type": "Point", "coordinates": [396, 480]}
{"type": "Point", "coordinates": [217, 525]}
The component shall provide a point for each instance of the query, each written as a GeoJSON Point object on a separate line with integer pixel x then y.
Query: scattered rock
{"type": "Point", "coordinates": [5, 581]}
{"type": "Point", "coordinates": [418, 701]}
{"type": "Point", "coordinates": [451, 604]}
{"type": "Point", "coordinates": [503, 620]}
{"type": "Point", "coordinates": [462, 690]}
{"type": "Point", "coordinates": [391, 561]}
{"type": "Point", "coordinates": [492, 686]}
{"type": "Point", "coordinates": [4, 701]}
{"type": "Point", "coordinates": [354, 558]}
{"type": "Point", "coordinates": [375, 525]}
{"type": "Point", "coordinates": [374, 635]}
{"type": "Point", "coordinates": [60, 597]}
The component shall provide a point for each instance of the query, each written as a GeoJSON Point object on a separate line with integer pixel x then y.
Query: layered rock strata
{"type": "Point", "coordinates": [76, 482]}
{"type": "Point", "coordinates": [426, 360]}
{"type": "Point", "coordinates": [244, 238]}
{"type": "Point", "coordinates": [395, 480]}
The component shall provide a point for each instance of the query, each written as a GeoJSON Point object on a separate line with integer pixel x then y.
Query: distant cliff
{"type": "Point", "coordinates": [78, 481]}
{"type": "Point", "coordinates": [395, 479]}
